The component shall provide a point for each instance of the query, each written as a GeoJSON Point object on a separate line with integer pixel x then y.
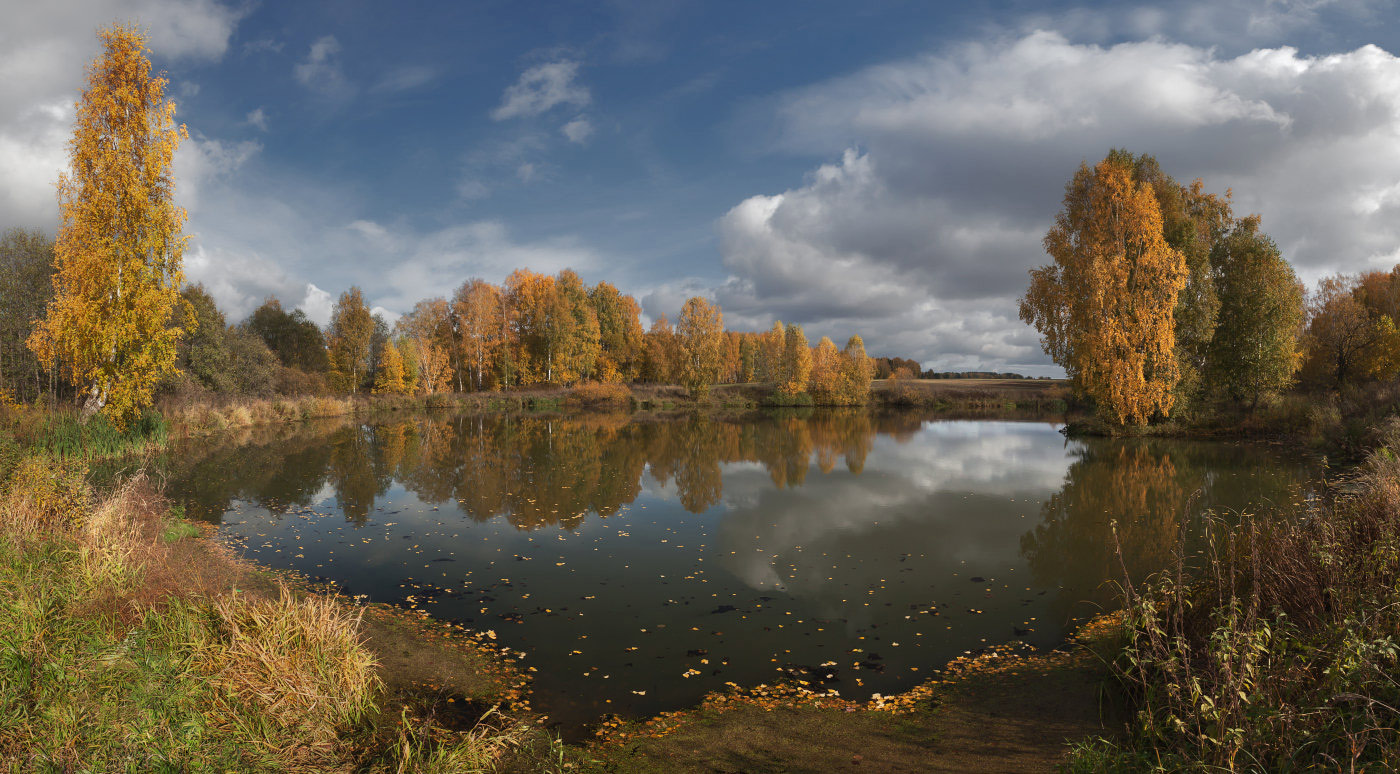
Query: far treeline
{"type": "Point", "coordinates": [102, 315]}
{"type": "Point", "coordinates": [1160, 303]}
{"type": "Point", "coordinates": [534, 330]}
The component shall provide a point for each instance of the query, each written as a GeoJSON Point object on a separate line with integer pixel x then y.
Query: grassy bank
{"type": "Point", "coordinates": [128, 644]}
{"type": "Point", "coordinates": [989, 397]}
{"type": "Point", "coordinates": [1010, 397]}
{"type": "Point", "coordinates": [1281, 655]}
{"type": "Point", "coordinates": [1342, 425]}
{"type": "Point", "coordinates": [211, 416]}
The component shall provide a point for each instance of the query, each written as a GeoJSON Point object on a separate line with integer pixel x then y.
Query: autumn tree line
{"type": "Point", "coordinates": [538, 329]}
{"type": "Point", "coordinates": [535, 329]}
{"type": "Point", "coordinates": [1159, 302]}
{"type": "Point", "coordinates": [102, 314]}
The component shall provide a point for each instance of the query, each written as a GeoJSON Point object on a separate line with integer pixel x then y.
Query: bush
{"type": "Point", "coordinates": [901, 393]}
{"type": "Point", "coordinates": [780, 399]}
{"type": "Point", "coordinates": [239, 416]}
{"type": "Point", "coordinates": [46, 496]}
{"type": "Point", "coordinates": [598, 395]}
{"type": "Point", "coordinates": [441, 400]}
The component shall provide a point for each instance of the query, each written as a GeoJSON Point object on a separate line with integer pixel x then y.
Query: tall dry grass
{"type": "Point", "coordinates": [297, 662]}
{"type": "Point", "coordinates": [127, 645]}
{"type": "Point", "coordinates": [1282, 654]}
{"type": "Point", "coordinates": [107, 663]}
{"type": "Point", "coordinates": [608, 395]}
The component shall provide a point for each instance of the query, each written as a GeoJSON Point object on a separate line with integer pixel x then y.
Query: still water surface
{"type": "Point", "coordinates": [640, 564]}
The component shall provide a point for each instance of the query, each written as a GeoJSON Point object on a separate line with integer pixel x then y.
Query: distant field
{"type": "Point", "coordinates": [1014, 388]}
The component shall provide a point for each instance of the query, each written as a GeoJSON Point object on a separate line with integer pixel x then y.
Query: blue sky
{"type": "Point", "coordinates": [883, 168]}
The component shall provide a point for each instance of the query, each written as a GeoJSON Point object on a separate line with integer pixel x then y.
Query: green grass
{"type": "Point", "coordinates": [178, 530]}
{"type": "Point", "coordinates": [125, 648]}
{"type": "Point", "coordinates": [91, 692]}
{"type": "Point", "coordinates": [540, 403]}
{"type": "Point", "coordinates": [64, 435]}
{"type": "Point", "coordinates": [223, 683]}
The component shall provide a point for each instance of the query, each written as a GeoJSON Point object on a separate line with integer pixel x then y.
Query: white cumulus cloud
{"type": "Point", "coordinates": [43, 50]}
{"type": "Point", "coordinates": [921, 235]}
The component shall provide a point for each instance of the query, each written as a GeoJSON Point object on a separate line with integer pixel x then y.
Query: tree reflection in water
{"type": "Point", "coordinates": [535, 472]}
{"type": "Point", "coordinates": [797, 537]}
{"type": "Point", "coordinates": [1144, 498]}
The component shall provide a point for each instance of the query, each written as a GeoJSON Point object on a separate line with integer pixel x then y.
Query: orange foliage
{"type": "Point", "coordinates": [1105, 307]}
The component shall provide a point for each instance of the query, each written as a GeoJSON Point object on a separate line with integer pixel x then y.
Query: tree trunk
{"type": "Point", "coordinates": [96, 399]}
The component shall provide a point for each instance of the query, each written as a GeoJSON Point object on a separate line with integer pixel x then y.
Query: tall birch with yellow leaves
{"type": "Point", "coordinates": [120, 242]}
{"type": "Point", "coordinates": [1105, 306]}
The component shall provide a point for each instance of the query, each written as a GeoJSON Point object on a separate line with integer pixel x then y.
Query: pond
{"type": "Point", "coordinates": [639, 563]}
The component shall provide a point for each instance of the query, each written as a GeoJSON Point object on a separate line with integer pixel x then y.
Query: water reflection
{"type": "Point", "coordinates": [643, 562]}
{"type": "Point", "coordinates": [1144, 498]}
{"type": "Point", "coordinates": [534, 472]}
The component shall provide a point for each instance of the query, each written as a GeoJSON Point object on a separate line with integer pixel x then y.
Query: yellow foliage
{"type": "Point", "coordinates": [389, 379]}
{"type": "Point", "coordinates": [700, 329]}
{"type": "Point", "coordinates": [118, 255]}
{"type": "Point", "coordinates": [46, 495]}
{"type": "Point", "coordinates": [825, 380]}
{"type": "Point", "coordinates": [796, 363]}
{"type": "Point", "coordinates": [483, 325]}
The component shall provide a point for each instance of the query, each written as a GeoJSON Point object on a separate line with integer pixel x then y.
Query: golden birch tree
{"type": "Point", "coordinates": [770, 354]}
{"type": "Point", "coordinates": [619, 332]}
{"type": "Point", "coordinates": [538, 325]}
{"type": "Point", "coordinates": [579, 344]}
{"type": "Point", "coordinates": [856, 372]}
{"type": "Point", "coordinates": [796, 363]}
{"type": "Point", "coordinates": [1105, 306]}
{"type": "Point", "coordinates": [1193, 221]}
{"type": "Point", "coordinates": [389, 379]}
{"type": "Point", "coordinates": [348, 340]}
{"type": "Point", "coordinates": [120, 244]}
{"type": "Point", "coordinates": [700, 329]}
{"type": "Point", "coordinates": [428, 334]}
{"type": "Point", "coordinates": [663, 355]}
{"type": "Point", "coordinates": [748, 359]}
{"type": "Point", "coordinates": [825, 381]}
{"type": "Point", "coordinates": [480, 329]}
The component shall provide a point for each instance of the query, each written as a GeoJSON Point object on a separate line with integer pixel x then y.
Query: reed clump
{"type": "Point", "coordinates": [62, 434]}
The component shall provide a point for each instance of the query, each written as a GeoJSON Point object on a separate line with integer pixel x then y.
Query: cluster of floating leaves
{"type": "Point", "coordinates": [798, 695]}
{"type": "Point", "coordinates": [499, 663]}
